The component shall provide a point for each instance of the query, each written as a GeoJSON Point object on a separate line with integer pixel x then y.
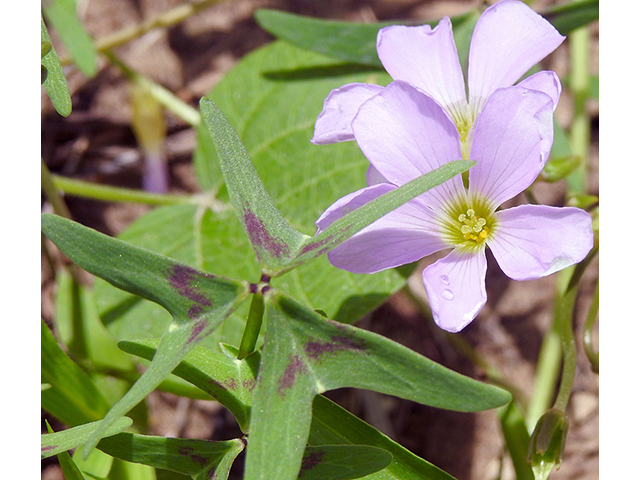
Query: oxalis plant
{"type": "Point", "coordinates": [248, 292]}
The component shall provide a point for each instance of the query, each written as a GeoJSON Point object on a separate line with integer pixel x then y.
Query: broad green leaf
{"type": "Point", "coordinates": [72, 398]}
{"type": "Point", "coordinates": [271, 235]}
{"type": "Point", "coordinates": [305, 354]}
{"type": "Point", "coordinates": [201, 459]}
{"type": "Point", "coordinates": [332, 424]}
{"type": "Point", "coordinates": [272, 98]}
{"type": "Point", "coordinates": [63, 16]}
{"type": "Point", "coordinates": [221, 375]}
{"type": "Point", "coordinates": [573, 15]}
{"type": "Point", "coordinates": [198, 302]}
{"type": "Point", "coordinates": [54, 443]}
{"type": "Point", "coordinates": [278, 245]}
{"type": "Point", "coordinates": [356, 220]}
{"type": "Point", "coordinates": [55, 83]}
{"type": "Point", "coordinates": [342, 462]}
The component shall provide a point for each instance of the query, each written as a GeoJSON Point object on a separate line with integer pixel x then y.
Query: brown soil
{"type": "Point", "coordinates": [96, 143]}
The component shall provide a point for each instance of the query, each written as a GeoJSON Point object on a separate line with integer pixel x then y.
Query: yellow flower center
{"type": "Point", "coordinates": [468, 222]}
{"type": "Point", "coordinates": [472, 227]}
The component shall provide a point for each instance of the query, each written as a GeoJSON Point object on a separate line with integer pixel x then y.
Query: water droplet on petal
{"type": "Point", "coordinates": [447, 294]}
{"type": "Point", "coordinates": [444, 279]}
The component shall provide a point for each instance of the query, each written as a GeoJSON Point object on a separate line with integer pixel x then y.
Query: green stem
{"type": "Point", "coordinates": [549, 361]}
{"type": "Point", "coordinates": [117, 194]}
{"type": "Point", "coordinates": [579, 133]}
{"type": "Point", "coordinates": [564, 322]}
{"type": "Point", "coordinates": [165, 97]}
{"type": "Point", "coordinates": [592, 355]}
{"type": "Point", "coordinates": [165, 19]}
{"type": "Point", "coordinates": [50, 190]}
{"type": "Point", "coordinates": [253, 326]}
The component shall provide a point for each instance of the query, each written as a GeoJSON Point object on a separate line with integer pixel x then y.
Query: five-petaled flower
{"type": "Point", "coordinates": [404, 133]}
{"type": "Point", "coordinates": [421, 121]}
{"type": "Point", "coordinates": [509, 39]}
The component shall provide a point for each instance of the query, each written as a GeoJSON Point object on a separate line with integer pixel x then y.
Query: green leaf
{"type": "Point", "coordinates": [271, 235]}
{"type": "Point", "coordinates": [70, 470]}
{"type": "Point", "coordinates": [198, 302]}
{"type": "Point", "coordinates": [54, 443]}
{"type": "Point", "coordinates": [332, 424]}
{"type": "Point", "coordinates": [208, 241]}
{"type": "Point", "coordinates": [573, 15]}
{"type": "Point", "coordinates": [80, 327]}
{"type": "Point", "coordinates": [273, 113]}
{"type": "Point", "coordinates": [55, 83]}
{"type": "Point", "coordinates": [72, 398]}
{"type": "Point", "coordinates": [346, 41]}
{"type": "Point", "coordinates": [64, 17]}
{"type": "Point", "coordinates": [350, 42]}
{"type": "Point", "coordinates": [201, 459]}
{"type": "Point", "coordinates": [559, 167]}
{"type": "Point", "coordinates": [342, 462]}
{"type": "Point", "coordinates": [221, 375]}
{"type": "Point", "coordinates": [305, 354]}
{"type": "Point", "coordinates": [356, 220]}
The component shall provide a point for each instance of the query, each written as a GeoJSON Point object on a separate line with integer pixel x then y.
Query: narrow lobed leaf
{"type": "Point", "coordinates": [198, 301]}
{"type": "Point", "coordinates": [54, 443]}
{"type": "Point", "coordinates": [353, 222]}
{"type": "Point", "coordinates": [305, 354]}
{"type": "Point", "coordinates": [271, 235]}
{"type": "Point", "coordinates": [199, 458]}
{"type": "Point", "coordinates": [64, 17]}
{"type": "Point", "coordinates": [55, 82]}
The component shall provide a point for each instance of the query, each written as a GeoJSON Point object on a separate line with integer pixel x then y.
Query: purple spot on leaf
{"type": "Point", "coordinates": [249, 384]}
{"type": "Point", "coordinates": [260, 237]}
{"type": "Point", "coordinates": [188, 452]}
{"type": "Point", "coordinates": [310, 460]}
{"type": "Point", "coordinates": [288, 379]}
{"type": "Point", "coordinates": [230, 383]}
{"type": "Point", "coordinates": [337, 343]}
{"type": "Point", "coordinates": [196, 330]}
{"type": "Point", "coordinates": [181, 278]}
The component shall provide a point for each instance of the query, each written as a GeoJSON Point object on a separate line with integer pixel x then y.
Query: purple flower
{"type": "Point", "coordinates": [509, 39]}
{"type": "Point", "coordinates": [405, 133]}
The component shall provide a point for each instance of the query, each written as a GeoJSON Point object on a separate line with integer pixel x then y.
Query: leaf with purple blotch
{"type": "Point", "coordinates": [200, 459]}
{"type": "Point", "coordinates": [198, 301]}
{"type": "Point", "coordinates": [54, 443]}
{"type": "Point", "coordinates": [305, 354]}
{"type": "Point", "coordinates": [331, 425]}
{"type": "Point", "coordinates": [227, 379]}
{"type": "Point", "coordinates": [272, 236]}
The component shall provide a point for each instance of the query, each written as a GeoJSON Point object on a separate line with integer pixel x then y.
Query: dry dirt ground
{"type": "Point", "coordinates": [96, 143]}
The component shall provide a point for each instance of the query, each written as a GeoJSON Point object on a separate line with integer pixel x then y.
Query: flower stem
{"type": "Point", "coordinates": [564, 323]}
{"type": "Point", "coordinates": [579, 134]}
{"type": "Point", "coordinates": [165, 97]}
{"type": "Point", "coordinates": [253, 326]}
{"type": "Point", "coordinates": [592, 355]}
{"type": "Point", "coordinates": [165, 19]}
{"type": "Point", "coordinates": [117, 194]}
